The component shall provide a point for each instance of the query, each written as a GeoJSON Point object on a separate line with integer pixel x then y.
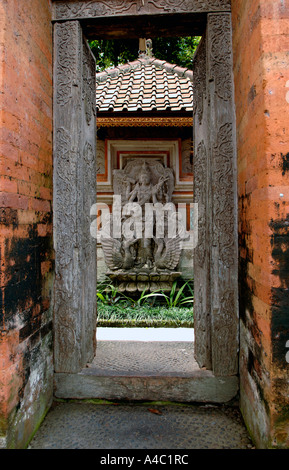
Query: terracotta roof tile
{"type": "Point", "coordinates": [145, 84]}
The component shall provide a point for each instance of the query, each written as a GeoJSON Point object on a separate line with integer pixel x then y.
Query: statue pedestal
{"type": "Point", "coordinates": [139, 281]}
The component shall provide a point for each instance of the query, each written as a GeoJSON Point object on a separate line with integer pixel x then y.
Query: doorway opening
{"type": "Point", "coordinates": [144, 117]}
{"type": "Point", "coordinates": [215, 257]}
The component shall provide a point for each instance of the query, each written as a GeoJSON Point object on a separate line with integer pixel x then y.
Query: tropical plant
{"type": "Point", "coordinates": [177, 297]}
{"type": "Point", "coordinates": [108, 293]}
{"type": "Point", "coordinates": [143, 298]}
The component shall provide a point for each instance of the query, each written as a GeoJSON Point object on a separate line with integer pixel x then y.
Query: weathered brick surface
{"type": "Point", "coordinates": [261, 68]}
{"type": "Point", "coordinates": [25, 217]}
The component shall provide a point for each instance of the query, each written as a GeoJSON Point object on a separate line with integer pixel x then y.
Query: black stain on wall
{"type": "Point", "coordinates": [285, 163]}
{"type": "Point", "coordinates": [280, 249]}
{"type": "Point", "coordinates": [280, 295]}
{"type": "Point", "coordinates": [245, 290]}
{"type": "Point", "coordinates": [8, 217]}
{"type": "Point", "coordinates": [23, 291]}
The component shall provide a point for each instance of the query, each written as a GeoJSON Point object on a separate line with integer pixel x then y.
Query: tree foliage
{"type": "Point", "coordinates": [176, 50]}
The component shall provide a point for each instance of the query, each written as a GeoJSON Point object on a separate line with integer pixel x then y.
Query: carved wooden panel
{"type": "Point", "coordinates": [216, 256]}
{"type": "Point", "coordinates": [74, 193]}
{"type": "Point", "coordinates": [100, 8]}
{"type": "Point", "coordinates": [202, 187]}
{"type": "Point", "coordinates": [224, 256]}
{"type": "Point", "coordinates": [200, 83]}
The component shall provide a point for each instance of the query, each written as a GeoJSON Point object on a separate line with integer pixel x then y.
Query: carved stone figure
{"type": "Point", "coordinates": [118, 255]}
{"type": "Point", "coordinates": [143, 182]}
{"type": "Point", "coordinates": [168, 253]}
{"type": "Point", "coordinates": [144, 192]}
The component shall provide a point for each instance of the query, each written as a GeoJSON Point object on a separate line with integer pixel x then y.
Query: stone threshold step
{"type": "Point", "coordinates": [202, 386]}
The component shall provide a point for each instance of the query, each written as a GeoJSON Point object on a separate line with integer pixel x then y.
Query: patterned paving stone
{"type": "Point", "coordinates": [132, 426]}
{"type": "Point", "coordinates": [144, 358]}
{"type": "Point", "coordinates": [87, 425]}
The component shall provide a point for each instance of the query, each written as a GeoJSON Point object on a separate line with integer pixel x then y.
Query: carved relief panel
{"type": "Point", "coordinates": [202, 196]}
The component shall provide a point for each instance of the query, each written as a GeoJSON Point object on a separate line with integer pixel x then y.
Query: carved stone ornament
{"type": "Point", "coordinates": [74, 189]}
{"type": "Point", "coordinates": [88, 85]}
{"type": "Point", "coordinates": [100, 8]}
{"type": "Point", "coordinates": [225, 356]}
{"type": "Point", "coordinates": [126, 182]}
{"type": "Point", "coordinates": [65, 198]}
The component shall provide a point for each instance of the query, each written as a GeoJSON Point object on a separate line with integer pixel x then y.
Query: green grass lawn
{"type": "Point", "coordinates": [171, 309]}
{"type": "Point", "coordinates": [143, 315]}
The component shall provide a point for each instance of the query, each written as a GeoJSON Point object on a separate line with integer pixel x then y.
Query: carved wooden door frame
{"type": "Point", "coordinates": [216, 257]}
{"type": "Point", "coordinates": [215, 189]}
{"type": "Point", "coordinates": [74, 181]}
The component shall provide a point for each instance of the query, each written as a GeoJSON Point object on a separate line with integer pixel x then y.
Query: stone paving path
{"type": "Point", "coordinates": [89, 425]}
{"type": "Point", "coordinates": [144, 359]}
{"type": "Point", "coordinates": [78, 425]}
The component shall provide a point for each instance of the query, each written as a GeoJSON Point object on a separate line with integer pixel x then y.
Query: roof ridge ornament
{"type": "Point", "coordinates": [145, 48]}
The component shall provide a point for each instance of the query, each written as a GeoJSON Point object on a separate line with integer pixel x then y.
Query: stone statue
{"type": "Point", "coordinates": [143, 258]}
{"type": "Point", "coordinates": [144, 191]}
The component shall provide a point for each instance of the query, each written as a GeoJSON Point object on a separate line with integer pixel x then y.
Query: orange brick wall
{"type": "Point", "coordinates": [261, 68]}
{"type": "Point", "coordinates": [25, 217]}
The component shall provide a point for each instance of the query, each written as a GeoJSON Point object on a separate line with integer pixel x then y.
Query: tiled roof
{"type": "Point", "coordinates": [147, 84]}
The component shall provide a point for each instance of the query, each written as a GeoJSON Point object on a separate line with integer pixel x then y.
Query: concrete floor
{"type": "Point", "coordinates": [87, 424]}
